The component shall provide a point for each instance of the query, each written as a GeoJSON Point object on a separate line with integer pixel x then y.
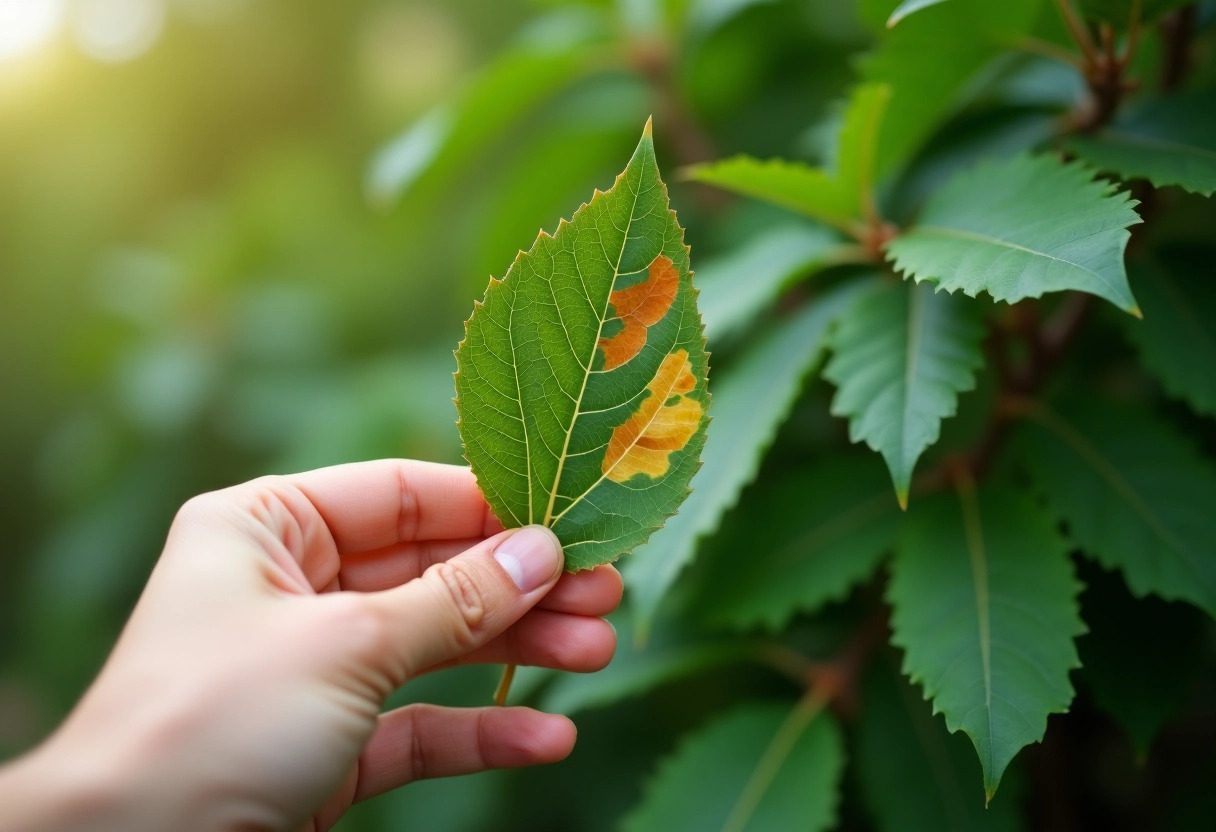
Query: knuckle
{"type": "Point", "coordinates": [462, 594]}
{"type": "Point", "coordinates": [365, 630]}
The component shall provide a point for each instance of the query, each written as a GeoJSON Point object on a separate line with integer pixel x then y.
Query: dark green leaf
{"type": "Point", "coordinates": [1020, 227]}
{"type": "Point", "coordinates": [1168, 141]}
{"type": "Point", "coordinates": [900, 359]}
{"type": "Point", "coordinates": [750, 403]}
{"type": "Point", "coordinates": [762, 768]}
{"type": "Point", "coordinates": [984, 604]}
{"type": "Point", "coordinates": [914, 774]}
{"type": "Point", "coordinates": [581, 380]}
{"type": "Point", "coordinates": [798, 541]}
{"type": "Point", "coordinates": [1134, 495]}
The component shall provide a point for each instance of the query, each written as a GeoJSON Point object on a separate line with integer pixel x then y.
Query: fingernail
{"type": "Point", "coordinates": [531, 557]}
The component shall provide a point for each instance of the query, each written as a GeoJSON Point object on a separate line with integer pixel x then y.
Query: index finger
{"type": "Point", "coordinates": [369, 505]}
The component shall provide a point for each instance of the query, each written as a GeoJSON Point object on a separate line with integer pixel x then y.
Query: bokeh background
{"type": "Point", "coordinates": [228, 247]}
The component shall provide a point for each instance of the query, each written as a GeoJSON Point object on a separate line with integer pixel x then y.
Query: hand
{"type": "Point", "coordinates": [245, 691]}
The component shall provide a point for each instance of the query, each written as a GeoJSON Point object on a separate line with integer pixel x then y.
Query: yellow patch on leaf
{"type": "Point", "coordinates": [659, 428]}
{"type": "Point", "coordinates": [640, 306]}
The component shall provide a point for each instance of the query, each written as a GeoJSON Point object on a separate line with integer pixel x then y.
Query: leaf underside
{"type": "Point", "coordinates": [1020, 227]}
{"type": "Point", "coordinates": [984, 604]}
{"type": "Point", "coordinates": [581, 380]}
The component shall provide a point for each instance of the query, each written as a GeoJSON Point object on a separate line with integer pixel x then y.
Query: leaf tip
{"type": "Point", "coordinates": [901, 494]}
{"type": "Point", "coordinates": [1135, 312]}
{"type": "Point", "coordinates": [647, 131]}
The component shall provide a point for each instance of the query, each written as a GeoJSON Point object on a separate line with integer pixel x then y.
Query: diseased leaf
{"type": "Point", "coordinates": [984, 605]}
{"type": "Point", "coordinates": [581, 379]}
{"type": "Point", "coordinates": [1168, 141]}
{"type": "Point", "coordinates": [914, 774]}
{"type": "Point", "coordinates": [909, 7]}
{"type": "Point", "coordinates": [929, 60]}
{"type": "Point", "coordinates": [900, 359]}
{"type": "Point", "coordinates": [1017, 228]}
{"type": "Point", "coordinates": [1134, 495]}
{"type": "Point", "coordinates": [797, 541]}
{"type": "Point", "coordinates": [735, 287]}
{"type": "Point", "coordinates": [835, 197]}
{"type": "Point", "coordinates": [762, 768]}
{"type": "Point", "coordinates": [751, 401]}
{"type": "Point", "coordinates": [1177, 338]}
{"type": "Point", "coordinates": [1138, 660]}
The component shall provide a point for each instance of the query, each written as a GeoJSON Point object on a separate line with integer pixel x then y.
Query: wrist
{"type": "Point", "coordinates": [46, 791]}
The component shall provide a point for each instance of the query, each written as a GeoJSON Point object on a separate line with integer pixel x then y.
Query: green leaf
{"type": "Point", "coordinates": [1135, 496]}
{"type": "Point", "coordinates": [960, 38]}
{"type": "Point", "coordinates": [1177, 338]}
{"type": "Point", "coordinates": [1019, 227]}
{"type": "Point", "coordinates": [1138, 660]}
{"type": "Point", "coordinates": [750, 403]}
{"type": "Point", "coordinates": [909, 7]}
{"type": "Point", "coordinates": [1119, 12]}
{"type": "Point", "coordinates": [915, 775]}
{"type": "Point", "coordinates": [900, 359]}
{"type": "Point", "coordinates": [984, 604]}
{"type": "Point", "coordinates": [761, 768]}
{"type": "Point", "coordinates": [1168, 141]}
{"type": "Point", "coordinates": [810, 536]}
{"type": "Point", "coordinates": [581, 381]}
{"type": "Point", "coordinates": [837, 197]}
{"type": "Point", "coordinates": [737, 286]}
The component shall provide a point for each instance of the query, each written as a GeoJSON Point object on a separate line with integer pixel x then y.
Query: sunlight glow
{"type": "Point", "coordinates": [117, 30]}
{"type": "Point", "coordinates": [27, 24]}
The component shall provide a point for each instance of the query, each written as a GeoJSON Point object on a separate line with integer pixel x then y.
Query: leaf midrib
{"type": "Point", "coordinates": [1124, 136]}
{"type": "Point", "coordinates": [977, 554]}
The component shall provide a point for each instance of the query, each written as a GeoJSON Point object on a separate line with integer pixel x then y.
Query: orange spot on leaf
{"type": "Point", "coordinates": [640, 306]}
{"type": "Point", "coordinates": [645, 443]}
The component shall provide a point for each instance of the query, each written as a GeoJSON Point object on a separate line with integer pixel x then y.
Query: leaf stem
{"type": "Point", "coordinates": [1080, 34]}
{"type": "Point", "coordinates": [1038, 46]}
{"type": "Point", "coordinates": [504, 686]}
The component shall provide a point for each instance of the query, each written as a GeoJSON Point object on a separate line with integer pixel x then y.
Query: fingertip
{"type": "Point", "coordinates": [538, 737]}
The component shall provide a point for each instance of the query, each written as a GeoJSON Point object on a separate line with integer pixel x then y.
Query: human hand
{"type": "Point", "coordinates": [245, 691]}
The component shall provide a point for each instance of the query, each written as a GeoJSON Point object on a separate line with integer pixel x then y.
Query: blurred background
{"type": "Point", "coordinates": [241, 236]}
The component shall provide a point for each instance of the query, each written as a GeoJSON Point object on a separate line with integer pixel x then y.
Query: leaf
{"type": "Point", "coordinates": [900, 359]}
{"type": "Point", "coordinates": [1177, 338]}
{"type": "Point", "coordinates": [735, 287]}
{"type": "Point", "coordinates": [984, 605]}
{"type": "Point", "coordinates": [751, 401]}
{"type": "Point", "coordinates": [809, 535]}
{"type": "Point", "coordinates": [960, 38]}
{"type": "Point", "coordinates": [1019, 227]}
{"type": "Point", "coordinates": [838, 197]}
{"type": "Point", "coordinates": [1138, 660]}
{"type": "Point", "coordinates": [760, 768]}
{"type": "Point", "coordinates": [581, 381]}
{"type": "Point", "coordinates": [909, 7]}
{"type": "Point", "coordinates": [914, 775]}
{"type": "Point", "coordinates": [1134, 496]}
{"type": "Point", "coordinates": [1168, 141]}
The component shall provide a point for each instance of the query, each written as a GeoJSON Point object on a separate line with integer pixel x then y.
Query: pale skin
{"type": "Point", "coordinates": [245, 692]}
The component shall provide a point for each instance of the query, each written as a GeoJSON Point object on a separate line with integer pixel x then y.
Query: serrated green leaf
{"type": "Point", "coordinates": [1017, 228]}
{"type": "Point", "coordinates": [984, 605]}
{"type": "Point", "coordinates": [735, 287]}
{"type": "Point", "coordinates": [750, 403]}
{"type": "Point", "coordinates": [1138, 659]}
{"type": "Point", "coordinates": [762, 768]}
{"type": "Point", "coordinates": [1177, 338]}
{"type": "Point", "coordinates": [909, 7]}
{"type": "Point", "coordinates": [961, 38]}
{"type": "Point", "coordinates": [1134, 495]}
{"type": "Point", "coordinates": [834, 197]}
{"type": "Point", "coordinates": [810, 536]}
{"type": "Point", "coordinates": [900, 359]}
{"type": "Point", "coordinates": [581, 380]}
{"type": "Point", "coordinates": [914, 774]}
{"type": "Point", "coordinates": [1119, 12]}
{"type": "Point", "coordinates": [1168, 141]}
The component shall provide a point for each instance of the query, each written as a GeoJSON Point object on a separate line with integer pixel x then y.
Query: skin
{"type": "Point", "coordinates": [245, 692]}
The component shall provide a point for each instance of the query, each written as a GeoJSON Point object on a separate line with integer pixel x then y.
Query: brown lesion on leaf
{"type": "Point", "coordinates": [638, 307]}
{"type": "Point", "coordinates": [663, 424]}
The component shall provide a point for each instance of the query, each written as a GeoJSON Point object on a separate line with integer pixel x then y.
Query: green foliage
{"type": "Point", "coordinates": [984, 605]}
{"type": "Point", "coordinates": [987, 230]}
{"type": "Point", "coordinates": [1134, 495]}
{"type": "Point", "coordinates": [899, 362]}
{"type": "Point", "coordinates": [1119, 12]}
{"type": "Point", "coordinates": [763, 767]}
{"type": "Point", "coordinates": [909, 7]}
{"type": "Point", "coordinates": [582, 401]}
{"type": "Point", "coordinates": [1168, 141]}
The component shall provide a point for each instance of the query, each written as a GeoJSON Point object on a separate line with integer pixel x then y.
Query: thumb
{"type": "Point", "coordinates": [460, 604]}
